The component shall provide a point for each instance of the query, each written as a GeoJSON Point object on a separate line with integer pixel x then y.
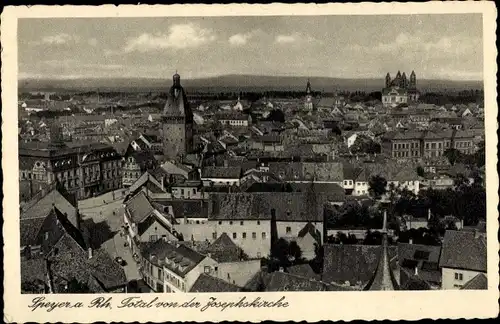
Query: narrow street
{"type": "Point", "coordinates": [105, 216]}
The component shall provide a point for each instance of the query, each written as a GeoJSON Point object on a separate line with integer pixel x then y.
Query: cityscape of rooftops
{"type": "Point", "coordinates": [252, 154]}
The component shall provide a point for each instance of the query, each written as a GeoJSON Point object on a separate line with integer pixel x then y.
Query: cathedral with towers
{"type": "Point", "coordinates": [177, 121]}
{"type": "Point", "coordinates": [400, 90]}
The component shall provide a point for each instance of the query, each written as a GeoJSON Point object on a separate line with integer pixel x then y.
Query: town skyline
{"type": "Point", "coordinates": [447, 47]}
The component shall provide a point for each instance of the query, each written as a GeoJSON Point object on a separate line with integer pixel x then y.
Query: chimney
{"type": "Point", "coordinates": [476, 233]}
{"type": "Point", "coordinates": [281, 269]}
{"type": "Point", "coordinates": [90, 254]}
{"type": "Point", "coordinates": [410, 241]}
{"type": "Point", "coordinates": [416, 271]}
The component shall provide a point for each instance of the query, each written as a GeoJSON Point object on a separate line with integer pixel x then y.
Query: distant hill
{"type": "Point", "coordinates": [232, 83]}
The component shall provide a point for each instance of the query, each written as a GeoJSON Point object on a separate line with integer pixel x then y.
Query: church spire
{"type": "Point", "coordinates": [308, 87]}
{"type": "Point", "coordinates": [382, 279]}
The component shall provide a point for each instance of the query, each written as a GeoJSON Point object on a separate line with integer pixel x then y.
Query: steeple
{"type": "Point", "coordinates": [382, 279]}
{"type": "Point", "coordinates": [413, 80]}
{"type": "Point", "coordinates": [308, 87]}
{"type": "Point", "coordinates": [387, 80]}
{"type": "Point", "coordinates": [404, 82]}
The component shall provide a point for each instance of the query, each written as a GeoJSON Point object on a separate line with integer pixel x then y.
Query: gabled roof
{"type": "Point", "coordinates": [311, 229]}
{"type": "Point", "coordinates": [480, 281]}
{"type": "Point", "coordinates": [223, 249]}
{"type": "Point", "coordinates": [282, 281]}
{"type": "Point", "coordinates": [303, 270]}
{"type": "Point", "coordinates": [463, 250]}
{"type": "Point", "coordinates": [221, 172]}
{"type": "Point", "coordinates": [287, 206]}
{"type": "Point", "coordinates": [207, 283]}
{"type": "Point", "coordinates": [181, 258]}
{"type": "Point", "coordinates": [41, 206]}
{"type": "Point", "coordinates": [139, 207]}
{"type": "Point", "coordinates": [353, 263]}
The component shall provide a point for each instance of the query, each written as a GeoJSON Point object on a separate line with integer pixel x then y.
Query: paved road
{"type": "Point", "coordinates": [111, 212]}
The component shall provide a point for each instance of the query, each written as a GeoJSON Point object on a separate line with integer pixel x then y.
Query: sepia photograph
{"type": "Point", "coordinates": [252, 154]}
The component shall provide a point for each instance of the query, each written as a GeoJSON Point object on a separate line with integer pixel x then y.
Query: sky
{"type": "Point", "coordinates": [440, 46]}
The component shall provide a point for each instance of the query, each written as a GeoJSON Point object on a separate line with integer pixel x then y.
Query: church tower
{"type": "Point", "coordinates": [404, 82]}
{"type": "Point", "coordinates": [308, 104]}
{"type": "Point", "coordinates": [387, 80]}
{"type": "Point", "coordinates": [177, 119]}
{"type": "Point", "coordinates": [413, 80]}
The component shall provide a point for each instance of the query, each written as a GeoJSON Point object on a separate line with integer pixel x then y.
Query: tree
{"type": "Point", "coordinates": [452, 155]}
{"type": "Point", "coordinates": [36, 286]}
{"type": "Point", "coordinates": [284, 254]}
{"type": "Point", "coordinates": [276, 115]}
{"type": "Point", "coordinates": [373, 238]}
{"type": "Point", "coordinates": [74, 286]}
{"type": "Point", "coordinates": [377, 187]}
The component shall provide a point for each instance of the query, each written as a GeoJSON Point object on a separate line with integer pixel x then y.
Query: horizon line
{"type": "Point", "coordinates": [63, 78]}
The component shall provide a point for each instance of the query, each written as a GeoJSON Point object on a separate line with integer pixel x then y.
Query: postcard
{"type": "Point", "coordinates": [250, 162]}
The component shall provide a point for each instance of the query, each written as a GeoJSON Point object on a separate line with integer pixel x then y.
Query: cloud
{"type": "Point", "coordinates": [414, 43]}
{"type": "Point", "coordinates": [284, 39]}
{"type": "Point", "coordinates": [242, 39]}
{"type": "Point", "coordinates": [293, 38]}
{"type": "Point", "coordinates": [58, 39]}
{"type": "Point", "coordinates": [180, 36]}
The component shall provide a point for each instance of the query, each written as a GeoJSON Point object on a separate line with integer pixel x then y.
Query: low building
{"type": "Point", "coordinates": [221, 176]}
{"type": "Point", "coordinates": [173, 267]}
{"type": "Point", "coordinates": [421, 261]}
{"type": "Point", "coordinates": [463, 257]}
{"type": "Point", "coordinates": [135, 164]}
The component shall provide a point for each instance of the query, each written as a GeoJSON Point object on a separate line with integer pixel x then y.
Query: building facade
{"type": "Point", "coordinates": [83, 169]}
{"type": "Point", "coordinates": [400, 90]}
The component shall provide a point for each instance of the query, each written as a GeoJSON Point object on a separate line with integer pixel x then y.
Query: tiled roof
{"type": "Point", "coordinates": [480, 281]}
{"type": "Point", "coordinates": [139, 207]}
{"type": "Point", "coordinates": [207, 283]}
{"type": "Point", "coordinates": [189, 208]}
{"type": "Point", "coordinates": [223, 249]}
{"type": "Point", "coordinates": [321, 171]}
{"type": "Point", "coordinates": [303, 270]}
{"type": "Point", "coordinates": [221, 172]}
{"type": "Point", "coordinates": [331, 191]}
{"type": "Point", "coordinates": [40, 207]}
{"type": "Point", "coordinates": [353, 263]}
{"type": "Point", "coordinates": [106, 271]}
{"type": "Point", "coordinates": [287, 206]}
{"type": "Point", "coordinates": [423, 257]}
{"type": "Point", "coordinates": [181, 258]}
{"type": "Point", "coordinates": [462, 250]}
{"type": "Point", "coordinates": [70, 260]}
{"type": "Point", "coordinates": [33, 269]}
{"type": "Point", "coordinates": [282, 281]}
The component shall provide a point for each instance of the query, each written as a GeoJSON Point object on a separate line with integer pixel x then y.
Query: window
{"type": "Point", "coordinates": [254, 235]}
{"type": "Point", "coordinates": [459, 276]}
{"type": "Point", "coordinates": [263, 235]}
{"type": "Point", "coordinates": [234, 235]}
{"type": "Point", "coordinates": [194, 191]}
{"type": "Point", "coordinates": [182, 192]}
{"type": "Point", "coordinates": [288, 229]}
{"type": "Point", "coordinates": [230, 222]}
{"type": "Point", "coordinates": [153, 238]}
{"type": "Point", "coordinates": [206, 269]}
{"type": "Point", "coordinates": [241, 223]}
{"type": "Point", "coordinates": [244, 235]}
{"type": "Point", "coordinates": [220, 222]}
{"type": "Point", "coordinates": [258, 222]}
